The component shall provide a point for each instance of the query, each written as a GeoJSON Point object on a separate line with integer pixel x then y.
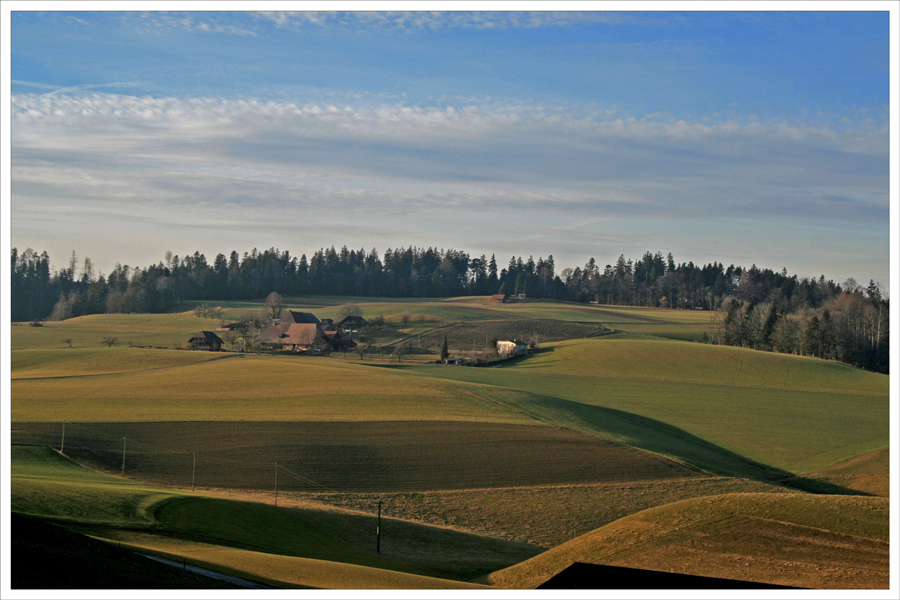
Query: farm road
{"type": "Point", "coordinates": [246, 583]}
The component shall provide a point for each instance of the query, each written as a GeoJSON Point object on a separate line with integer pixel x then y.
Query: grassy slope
{"type": "Point", "coordinates": [89, 331]}
{"type": "Point", "coordinates": [68, 362]}
{"type": "Point", "coordinates": [48, 485]}
{"type": "Point", "coordinates": [284, 571]}
{"type": "Point", "coordinates": [702, 363]}
{"type": "Point", "coordinates": [277, 389]}
{"type": "Point", "coordinates": [720, 536]}
{"type": "Point", "coordinates": [544, 515]}
{"type": "Point", "coordinates": [869, 473]}
{"type": "Point", "coordinates": [654, 408]}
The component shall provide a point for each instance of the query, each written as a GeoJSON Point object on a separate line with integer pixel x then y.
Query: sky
{"type": "Point", "coordinates": [736, 137]}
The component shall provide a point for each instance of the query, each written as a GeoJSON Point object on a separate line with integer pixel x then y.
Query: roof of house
{"type": "Point", "coordinates": [498, 297]}
{"type": "Point", "coordinates": [516, 342]}
{"type": "Point", "coordinates": [353, 320]}
{"type": "Point", "coordinates": [208, 336]}
{"type": "Point", "coordinates": [295, 316]}
{"type": "Point", "coordinates": [288, 334]}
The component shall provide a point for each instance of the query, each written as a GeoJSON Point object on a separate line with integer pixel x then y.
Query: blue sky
{"type": "Point", "coordinates": [737, 137]}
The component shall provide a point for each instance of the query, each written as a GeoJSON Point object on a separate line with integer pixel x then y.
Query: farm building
{"type": "Point", "coordinates": [298, 332]}
{"type": "Point", "coordinates": [352, 323]}
{"type": "Point", "coordinates": [512, 347]}
{"type": "Point", "coordinates": [205, 340]}
{"type": "Point", "coordinates": [498, 298]}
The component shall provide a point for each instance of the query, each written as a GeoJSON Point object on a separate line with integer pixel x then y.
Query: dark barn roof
{"type": "Point", "coordinates": [353, 320]}
{"type": "Point", "coordinates": [295, 316]}
{"type": "Point", "coordinates": [207, 336]}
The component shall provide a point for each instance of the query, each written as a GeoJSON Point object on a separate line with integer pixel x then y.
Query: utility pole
{"type": "Point", "coordinates": [194, 472]}
{"type": "Point", "coordinates": [124, 445]}
{"type": "Point", "coordinates": [378, 531]}
{"type": "Point", "coordinates": [276, 484]}
{"type": "Point", "coordinates": [62, 445]}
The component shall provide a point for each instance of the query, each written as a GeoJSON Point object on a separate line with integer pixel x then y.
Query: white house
{"type": "Point", "coordinates": [512, 347]}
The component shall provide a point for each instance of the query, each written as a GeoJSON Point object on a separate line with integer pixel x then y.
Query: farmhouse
{"type": "Point", "coordinates": [205, 340]}
{"type": "Point", "coordinates": [512, 347]}
{"type": "Point", "coordinates": [498, 298]}
{"type": "Point", "coordinates": [352, 323]}
{"type": "Point", "coordinates": [298, 332]}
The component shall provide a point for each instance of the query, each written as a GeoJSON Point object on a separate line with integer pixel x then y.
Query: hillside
{"type": "Point", "coordinates": [687, 400]}
{"type": "Point", "coordinates": [796, 540]}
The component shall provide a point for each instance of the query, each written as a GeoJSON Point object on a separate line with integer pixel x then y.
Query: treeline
{"type": "Point", "coordinates": [651, 280]}
{"type": "Point", "coordinates": [852, 327]}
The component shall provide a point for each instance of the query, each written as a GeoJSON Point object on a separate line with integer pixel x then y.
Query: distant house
{"type": "Point", "coordinates": [327, 323]}
{"type": "Point", "coordinates": [205, 340]}
{"type": "Point", "coordinates": [352, 323]}
{"type": "Point", "coordinates": [522, 296]}
{"type": "Point", "coordinates": [512, 347]}
{"type": "Point", "coordinates": [498, 298]}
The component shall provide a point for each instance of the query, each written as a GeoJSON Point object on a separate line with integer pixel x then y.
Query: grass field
{"type": "Point", "coordinates": [702, 363]}
{"type": "Point", "coordinates": [88, 332]}
{"type": "Point", "coordinates": [543, 515]}
{"type": "Point", "coordinates": [72, 362]}
{"type": "Point", "coordinates": [786, 539]}
{"type": "Point", "coordinates": [258, 388]}
{"type": "Point", "coordinates": [654, 395]}
{"type": "Point", "coordinates": [48, 485]}
{"type": "Point", "coordinates": [869, 473]}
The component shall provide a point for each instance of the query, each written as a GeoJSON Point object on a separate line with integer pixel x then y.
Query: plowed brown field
{"type": "Point", "coordinates": [341, 456]}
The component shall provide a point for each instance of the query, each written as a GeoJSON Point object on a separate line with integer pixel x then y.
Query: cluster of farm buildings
{"type": "Point", "coordinates": [303, 332]}
{"type": "Point", "coordinates": [294, 332]}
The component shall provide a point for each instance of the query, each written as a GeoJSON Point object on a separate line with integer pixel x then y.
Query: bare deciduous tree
{"type": "Point", "coordinates": [68, 341]}
{"type": "Point", "coordinates": [109, 341]}
{"type": "Point", "coordinates": [349, 310]}
{"type": "Point", "coordinates": [274, 305]}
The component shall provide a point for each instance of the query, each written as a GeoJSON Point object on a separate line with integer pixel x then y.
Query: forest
{"type": "Point", "coordinates": [763, 309]}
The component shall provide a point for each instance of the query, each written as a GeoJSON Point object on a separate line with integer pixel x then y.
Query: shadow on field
{"type": "Point", "coordinates": [657, 436]}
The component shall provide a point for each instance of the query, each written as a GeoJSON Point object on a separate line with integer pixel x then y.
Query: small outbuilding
{"type": "Point", "coordinates": [205, 340]}
{"type": "Point", "coordinates": [498, 298]}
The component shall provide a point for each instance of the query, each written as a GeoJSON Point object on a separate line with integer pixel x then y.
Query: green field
{"type": "Point", "coordinates": [166, 330]}
{"type": "Point", "coordinates": [655, 395]}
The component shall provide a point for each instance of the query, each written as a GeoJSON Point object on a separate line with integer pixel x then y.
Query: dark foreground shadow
{"type": "Point", "coordinates": [585, 576]}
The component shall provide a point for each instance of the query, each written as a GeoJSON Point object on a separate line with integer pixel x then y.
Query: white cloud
{"type": "Point", "coordinates": [416, 21]}
{"type": "Point", "coordinates": [138, 167]}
